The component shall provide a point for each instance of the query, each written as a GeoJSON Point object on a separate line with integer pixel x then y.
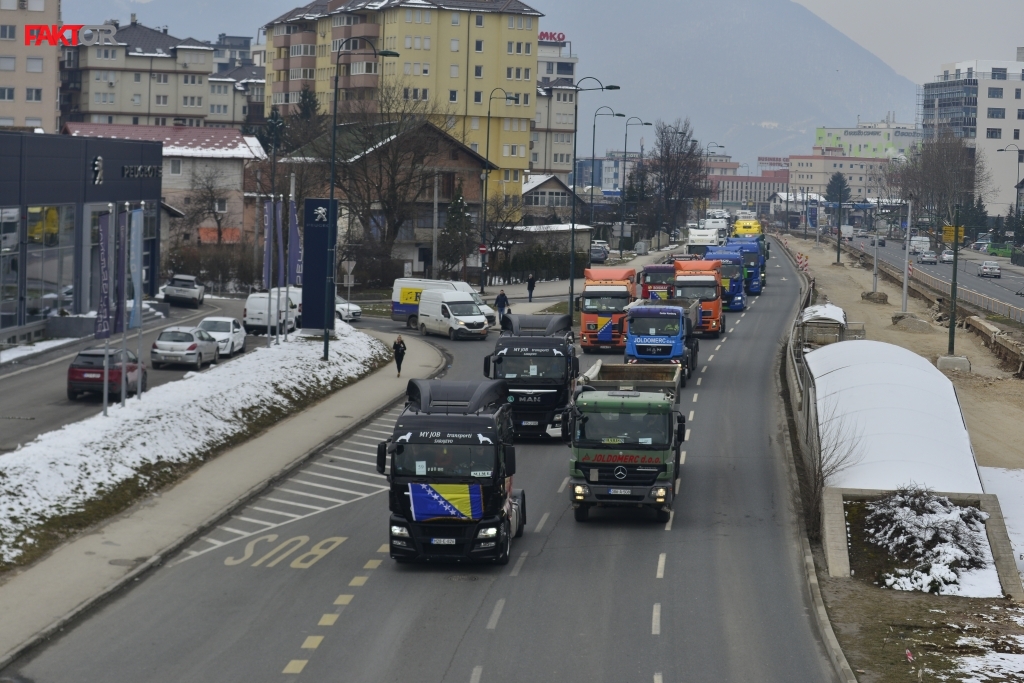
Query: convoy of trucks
{"type": "Point", "coordinates": [750, 251]}
{"type": "Point", "coordinates": [750, 226]}
{"type": "Point", "coordinates": [701, 280]}
{"type": "Point", "coordinates": [699, 240]}
{"type": "Point", "coordinates": [602, 306]}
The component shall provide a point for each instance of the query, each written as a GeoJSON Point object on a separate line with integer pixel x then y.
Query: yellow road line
{"type": "Point", "coordinates": [312, 642]}
{"type": "Point", "coordinates": [295, 666]}
{"type": "Point", "coordinates": [358, 581]}
{"type": "Point", "coordinates": [343, 599]}
{"type": "Point", "coordinates": [372, 564]}
{"type": "Point", "coordinates": [328, 620]}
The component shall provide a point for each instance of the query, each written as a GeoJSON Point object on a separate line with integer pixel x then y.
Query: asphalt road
{"type": "Point", "coordinates": [33, 392]}
{"type": "Point", "coordinates": [298, 585]}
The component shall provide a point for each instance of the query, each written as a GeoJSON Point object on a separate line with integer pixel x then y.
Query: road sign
{"type": "Point", "coordinates": [947, 234]}
{"type": "Point", "coordinates": [348, 266]}
{"type": "Point", "coordinates": [482, 248]}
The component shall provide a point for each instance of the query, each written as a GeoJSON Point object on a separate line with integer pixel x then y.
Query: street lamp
{"type": "Point", "coordinates": [484, 176]}
{"type": "Point", "coordinates": [625, 154]}
{"type": "Point", "coordinates": [332, 229]}
{"type": "Point", "coordinates": [1016, 205]}
{"type": "Point", "coordinates": [575, 126]}
{"type": "Point", "coordinates": [593, 153]}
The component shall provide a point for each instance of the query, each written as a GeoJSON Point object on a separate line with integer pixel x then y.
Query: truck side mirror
{"type": "Point", "coordinates": [487, 366]}
{"type": "Point", "coordinates": [382, 456]}
{"type": "Point", "coordinates": [576, 304]}
{"type": "Point", "coordinates": [510, 460]}
{"type": "Point", "coordinates": [575, 366]}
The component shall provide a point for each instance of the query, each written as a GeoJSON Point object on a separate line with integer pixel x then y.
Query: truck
{"type": "Point", "coordinates": [664, 332]}
{"type": "Point", "coordinates": [450, 480]}
{"type": "Point", "coordinates": [752, 252]}
{"type": "Point", "coordinates": [700, 240]}
{"type": "Point", "coordinates": [606, 293]}
{"type": "Point", "coordinates": [749, 226]}
{"type": "Point", "coordinates": [536, 356]}
{"type": "Point", "coordinates": [920, 245]}
{"type": "Point", "coordinates": [626, 432]}
{"type": "Point", "coordinates": [720, 226]}
{"type": "Point", "coordinates": [701, 280]}
{"type": "Point", "coordinates": [657, 281]}
{"type": "Point", "coordinates": [733, 276]}
{"type": "Point", "coordinates": [185, 289]}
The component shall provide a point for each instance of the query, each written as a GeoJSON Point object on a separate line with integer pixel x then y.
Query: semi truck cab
{"type": "Point", "coordinates": [700, 280]}
{"type": "Point", "coordinates": [733, 277]}
{"type": "Point", "coordinates": [657, 281]}
{"type": "Point", "coordinates": [606, 293]}
{"type": "Point", "coordinates": [664, 334]}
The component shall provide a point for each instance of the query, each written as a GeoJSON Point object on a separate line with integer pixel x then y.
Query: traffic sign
{"type": "Point", "coordinates": [482, 248]}
{"type": "Point", "coordinates": [947, 234]}
{"type": "Point", "coordinates": [348, 266]}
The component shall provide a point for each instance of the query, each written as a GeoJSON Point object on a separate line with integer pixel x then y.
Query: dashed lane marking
{"type": "Point", "coordinates": [682, 458]}
{"type": "Point", "coordinates": [475, 676]}
{"type": "Point", "coordinates": [660, 573]}
{"type": "Point", "coordinates": [384, 548]}
{"type": "Point", "coordinates": [540, 525]}
{"type": "Point", "coordinates": [718, 347]}
{"type": "Point", "coordinates": [358, 581]}
{"type": "Point", "coordinates": [312, 642]}
{"type": "Point", "coordinates": [295, 666]}
{"type": "Point", "coordinates": [742, 314]}
{"type": "Point", "coordinates": [328, 620]}
{"type": "Point", "coordinates": [657, 678]}
{"type": "Point", "coordinates": [687, 437]}
{"type": "Point", "coordinates": [343, 599]}
{"type": "Point", "coordinates": [710, 358]}
{"type": "Point", "coordinates": [695, 397]}
{"type": "Point", "coordinates": [691, 416]}
{"type": "Point", "coordinates": [565, 482]}
{"type": "Point", "coordinates": [699, 379]}
{"type": "Point", "coordinates": [519, 564]}
{"type": "Point", "coordinates": [731, 329]}
{"type": "Point", "coordinates": [656, 620]}
{"type": "Point", "coordinates": [677, 485]}
{"type": "Point", "coordinates": [372, 564]}
{"type": "Point", "coordinates": [492, 623]}
{"type": "Point", "coordinates": [704, 369]}
{"type": "Point", "coordinates": [671, 516]}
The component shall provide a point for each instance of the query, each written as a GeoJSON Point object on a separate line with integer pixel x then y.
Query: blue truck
{"type": "Point", "coordinates": [753, 280]}
{"type": "Point", "coordinates": [664, 332]}
{"type": "Point", "coordinates": [733, 276]}
{"type": "Point", "coordinates": [763, 250]}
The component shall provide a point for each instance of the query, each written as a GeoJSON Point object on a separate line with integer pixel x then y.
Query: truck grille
{"type": "Point", "coordinates": [636, 475]}
{"type": "Point", "coordinates": [653, 350]}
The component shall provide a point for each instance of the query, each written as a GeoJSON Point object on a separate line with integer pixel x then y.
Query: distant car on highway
{"type": "Point", "coordinates": [346, 310]}
{"type": "Point", "coordinates": [228, 332]}
{"type": "Point", "coordinates": [184, 345]}
{"type": "Point", "coordinates": [989, 269]}
{"type": "Point", "coordinates": [881, 241]}
{"type": "Point", "coordinates": [185, 289]}
{"type": "Point", "coordinates": [947, 256]}
{"type": "Point", "coordinates": [927, 257]}
{"type": "Point", "coordinates": [85, 374]}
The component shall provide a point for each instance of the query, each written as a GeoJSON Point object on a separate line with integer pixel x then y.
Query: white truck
{"type": "Point", "coordinates": [701, 239]}
{"type": "Point", "coordinates": [185, 289]}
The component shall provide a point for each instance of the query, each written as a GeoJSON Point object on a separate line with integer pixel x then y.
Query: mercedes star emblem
{"type": "Point", "coordinates": [619, 472]}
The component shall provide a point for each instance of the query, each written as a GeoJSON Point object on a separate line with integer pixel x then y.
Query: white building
{"type": "Point", "coordinates": [551, 133]}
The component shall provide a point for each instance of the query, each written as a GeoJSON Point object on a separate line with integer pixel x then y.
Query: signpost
{"type": "Point", "coordinates": [947, 234]}
{"type": "Point", "coordinates": [349, 267]}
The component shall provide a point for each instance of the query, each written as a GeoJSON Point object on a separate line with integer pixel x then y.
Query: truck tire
{"type": "Point", "coordinates": [522, 513]}
{"type": "Point", "coordinates": [663, 515]}
{"type": "Point", "coordinates": [581, 513]}
{"type": "Point", "coordinates": [411, 322]}
{"type": "Point", "coordinates": [682, 377]}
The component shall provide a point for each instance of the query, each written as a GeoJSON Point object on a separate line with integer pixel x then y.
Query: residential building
{"type": "Point", "coordinates": [875, 139]}
{"type": "Point", "coordinates": [551, 137]}
{"type": "Point", "coordinates": [230, 52]}
{"type": "Point", "coordinates": [747, 192]}
{"type": "Point", "coordinates": [549, 198]}
{"type": "Point", "coordinates": [610, 173]}
{"type": "Point", "coordinates": [28, 73]}
{"type": "Point", "coordinates": [721, 164]}
{"type": "Point", "coordinates": [453, 54]}
{"type": "Point", "coordinates": [980, 100]}
{"type": "Point", "coordinates": [242, 86]}
{"type": "Point", "coordinates": [811, 173]}
{"type": "Point", "coordinates": [150, 79]}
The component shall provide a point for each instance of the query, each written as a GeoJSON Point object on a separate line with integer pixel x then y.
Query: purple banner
{"type": "Point", "coordinates": [294, 246]}
{"type": "Point", "coordinates": [280, 245]}
{"type": "Point", "coordinates": [103, 309]}
{"type": "Point", "coordinates": [122, 255]}
{"type": "Point", "coordinates": [135, 269]}
{"type": "Point", "coordinates": [268, 243]}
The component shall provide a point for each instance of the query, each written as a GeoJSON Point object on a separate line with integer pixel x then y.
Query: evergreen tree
{"type": "Point", "coordinates": [838, 190]}
{"type": "Point", "coordinates": [458, 235]}
{"type": "Point", "coordinates": [309, 108]}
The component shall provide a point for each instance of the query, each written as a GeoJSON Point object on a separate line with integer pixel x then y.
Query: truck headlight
{"type": "Point", "coordinates": [659, 492]}
{"type": "Point", "coordinates": [399, 531]}
{"type": "Point", "coordinates": [487, 532]}
{"type": "Point", "coordinates": [580, 490]}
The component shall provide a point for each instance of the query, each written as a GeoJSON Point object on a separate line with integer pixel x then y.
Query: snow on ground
{"type": "Point", "coordinates": [991, 666]}
{"type": "Point", "coordinates": [173, 423]}
{"type": "Point", "coordinates": [32, 349]}
{"type": "Point", "coordinates": [1008, 485]}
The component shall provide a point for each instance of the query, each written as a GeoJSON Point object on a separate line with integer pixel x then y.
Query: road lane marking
{"type": "Point", "coordinates": [384, 548]}
{"type": "Point", "coordinates": [565, 482]}
{"type": "Point", "coordinates": [389, 432]}
{"type": "Point", "coordinates": [724, 339]}
{"type": "Point", "coordinates": [475, 676]}
{"type": "Point", "coordinates": [362, 473]}
{"type": "Point", "coordinates": [699, 380]}
{"type": "Point", "coordinates": [312, 642]}
{"type": "Point", "coordinates": [710, 358]}
{"type": "Point", "coordinates": [678, 480]}
{"type": "Point", "coordinates": [742, 314]}
{"type": "Point", "coordinates": [656, 620]}
{"type": "Point", "coordinates": [519, 564]}
{"type": "Point", "coordinates": [295, 666]}
{"type": "Point", "coordinates": [657, 678]}
{"type": "Point", "coordinates": [694, 397]}
{"type": "Point", "coordinates": [343, 599]}
{"type": "Point", "coordinates": [254, 521]}
{"type": "Point", "coordinates": [325, 486]}
{"type": "Point", "coordinates": [718, 347]}
{"type": "Point", "coordinates": [682, 460]}
{"type": "Point", "coordinates": [492, 623]}
{"type": "Point", "coordinates": [289, 515]}
{"type": "Point", "coordinates": [344, 479]}
{"type": "Point", "coordinates": [334, 457]}
{"type": "Point", "coordinates": [731, 329]}
{"type": "Point", "coordinates": [704, 369]}
{"type": "Point", "coordinates": [671, 516]}
{"type": "Point", "coordinates": [328, 620]}
{"type": "Point", "coordinates": [660, 574]}
{"type": "Point", "coordinates": [691, 415]}
{"type": "Point", "coordinates": [540, 525]}
{"type": "Point", "coordinates": [687, 437]}
{"type": "Point", "coordinates": [358, 581]}
{"type": "Point", "coordinates": [372, 564]}
{"type": "Point", "coordinates": [236, 531]}
{"type": "Point", "coordinates": [312, 495]}
{"type": "Point", "coordinates": [352, 450]}
{"type": "Point", "coordinates": [216, 543]}
{"type": "Point", "coordinates": [300, 505]}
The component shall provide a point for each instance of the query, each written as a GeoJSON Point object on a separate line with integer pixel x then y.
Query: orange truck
{"type": "Point", "coordinates": [702, 280]}
{"type": "Point", "coordinates": [606, 293]}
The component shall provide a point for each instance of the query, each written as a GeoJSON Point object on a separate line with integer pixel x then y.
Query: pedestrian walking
{"type": "Point", "coordinates": [501, 301]}
{"type": "Point", "coordinates": [399, 350]}
{"type": "Point", "coordinates": [530, 284]}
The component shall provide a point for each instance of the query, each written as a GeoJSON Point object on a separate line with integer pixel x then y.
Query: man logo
{"type": "Point", "coordinates": [320, 214]}
{"type": "Point", "coordinates": [97, 171]}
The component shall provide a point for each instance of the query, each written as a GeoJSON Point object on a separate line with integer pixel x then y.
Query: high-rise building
{"type": "Point", "coordinates": [458, 58]}
{"type": "Point", "coordinates": [551, 137]}
{"type": "Point", "coordinates": [874, 139]}
{"type": "Point", "coordinates": [29, 74]}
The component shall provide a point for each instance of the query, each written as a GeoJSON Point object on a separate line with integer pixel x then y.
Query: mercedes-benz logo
{"type": "Point", "coordinates": [619, 472]}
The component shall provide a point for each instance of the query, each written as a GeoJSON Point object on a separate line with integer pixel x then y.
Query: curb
{"type": "Point", "coordinates": [210, 522]}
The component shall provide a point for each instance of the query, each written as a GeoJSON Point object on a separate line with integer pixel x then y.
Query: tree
{"type": "Point", "coordinates": [502, 219]}
{"type": "Point", "coordinates": [677, 163]}
{"type": "Point", "coordinates": [207, 200]}
{"type": "Point", "coordinates": [838, 190]}
{"type": "Point", "coordinates": [459, 235]}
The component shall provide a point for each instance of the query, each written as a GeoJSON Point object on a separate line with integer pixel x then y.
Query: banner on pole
{"type": "Point", "coordinates": [267, 243]}
{"type": "Point", "coordinates": [280, 245]}
{"type": "Point", "coordinates": [317, 276]}
{"type": "Point", "coordinates": [120, 291]}
{"type": "Point", "coordinates": [103, 309]}
{"type": "Point", "coordinates": [135, 269]}
{"type": "Point", "coordinates": [294, 246]}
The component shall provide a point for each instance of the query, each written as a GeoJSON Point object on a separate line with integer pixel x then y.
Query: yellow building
{"type": "Point", "coordinates": [453, 55]}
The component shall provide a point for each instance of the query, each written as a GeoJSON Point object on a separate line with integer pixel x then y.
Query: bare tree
{"type": "Point", "coordinates": [207, 200]}
{"type": "Point", "coordinates": [836, 447]}
{"type": "Point", "coordinates": [678, 164]}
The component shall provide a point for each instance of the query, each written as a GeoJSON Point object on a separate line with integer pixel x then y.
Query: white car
{"type": "Point", "coordinates": [185, 289]}
{"type": "Point", "coordinates": [989, 269]}
{"type": "Point", "coordinates": [346, 310]}
{"type": "Point", "coordinates": [184, 345]}
{"type": "Point", "coordinates": [228, 332]}
{"type": "Point", "coordinates": [947, 256]}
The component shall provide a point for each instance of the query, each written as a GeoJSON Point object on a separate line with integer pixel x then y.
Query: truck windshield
{"type": "Point", "coordinates": [633, 429]}
{"type": "Point", "coordinates": [730, 270]}
{"type": "Point", "coordinates": [605, 303]}
{"type": "Point", "coordinates": [522, 367]}
{"type": "Point", "coordinates": [444, 460]}
{"type": "Point", "coordinates": [654, 327]}
{"type": "Point", "coordinates": [659, 278]}
{"type": "Point", "coordinates": [463, 309]}
{"type": "Point", "coordinates": [751, 259]}
{"type": "Point", "coordinates": [704, 292]}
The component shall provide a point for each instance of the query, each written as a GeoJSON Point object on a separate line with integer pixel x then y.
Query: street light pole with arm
{"type": "Point", "coordinates": [485, 176]}
{"type": "Point", "coordinates": [622, 190]}
{"type": "Point", "coordinates": [593, 154]}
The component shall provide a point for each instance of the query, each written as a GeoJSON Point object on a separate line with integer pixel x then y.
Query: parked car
{"type": "Point", "coordinates": [185, 289]}
{"type": "Point", "coordinates": [598, 254]}
{"type": "Point", "coordinates": [228, 332]}
{"type": "Point", "coordinates": [85, 374]}
{"type": "Point", "coordinates": [184, 345]}
{"type": "Point", "coordinates": [254, 315]}
{"type": "Point", "coordinates": [346, 310]}
{"type": "Point", "coordinates": [989, 269]}
{"type": "Point", "coordinates": [947, 256]}
{"type": "Point", "coordinates": [927, 257]}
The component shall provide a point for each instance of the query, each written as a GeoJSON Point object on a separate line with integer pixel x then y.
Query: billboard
{"type": "Point", "coordinates": [320, 221]}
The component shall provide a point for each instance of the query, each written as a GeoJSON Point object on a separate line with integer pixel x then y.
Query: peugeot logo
{"type": "Point", "coordinates": [619, 472]}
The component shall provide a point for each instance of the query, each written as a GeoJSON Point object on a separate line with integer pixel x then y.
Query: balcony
{"type": "Point", "coordinates": [356, 31]}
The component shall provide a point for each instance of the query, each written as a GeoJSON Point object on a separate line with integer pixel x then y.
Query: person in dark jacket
{"type": "Point", "coordinates": [530, 284]}
{"type": "Point", "coordinates": [501, 302]}
{"type": "Point", "coordinates": [399, 350]}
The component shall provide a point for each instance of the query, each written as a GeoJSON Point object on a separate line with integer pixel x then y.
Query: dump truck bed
{"type": "Point", "coordinates": [663, 379]}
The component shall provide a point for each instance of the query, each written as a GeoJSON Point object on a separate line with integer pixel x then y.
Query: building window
{"type": "Point", "coordinates": [7, 95]}
{"type": "Point", "coordinates": [526, 98]}
{"type": "Point", "coordinates": [455, 18]}
{"type": "Point", "coordinates": [478, 97]}
{"type": "Point", "coordinates": [478, 71]}
{"type": "Point", "coordinates": [453, 95]}
{"type": "Point", "coordinates": [519, 48]}
{"type": "Point", "coordinates": [509, 71]}
{"type": "Point", "coordinates": [34, 95]}
{"type": "Point", "coordinates": [474, 146]}
{"type": "Point", "coordinates": [994, 133]}
{"type": "Point", "coordinates": [161, 78]}
{"type": "Point", "coordinates": [137, 100]}
{"type": "Point", "coordinates": [479, 46]}
{"type": "Point", "coordinates": [161, 100]}
{"type": "Point", "coordinates": [511, 45]}
{"type": "Point", "coordinates": [175, 166]}
{"type": "Point", "coordinates": [34, 65]}
{"type": "Point", "coordinates": [474, 122]}
{"type": "Point", "coordinates": [1016, 93]}
{"type": "Point", "coordinates": [1016, 133]}
{"type": "Point", "coordinates": [998, 74]}
{"type": "Point", "coordinates": [453, 71]}
{"type": "Point", "coordinates": [529, 48]}
{"type": "Point", "coordinates": [480, 20]}
{"type": "Point", "coordinates": [455, 45]}
{"type": "Point", "coordinates": [417, 43]}
{"type": "Point", "coordinates": [7, 32]}
{"type": "Point", "coordinates": [1020, 114]}
{"type": "Point", "coordinates": [996, 113]}
{"type": "Point", "coordinates": [504, 153]}
{"type": "Point", "coordinates": [995, 93]}
{"type": "Point", "coordinates": [408, 16]}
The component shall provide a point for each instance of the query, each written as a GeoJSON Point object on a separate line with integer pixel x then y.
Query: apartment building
{"type": "Point", "coordinates": [980, 100]}
{"type": "Point", "coordinates": [457, 58]}
{"type": "Point", "coordinates": [150, 78]}
{"type": "Point", "coordinates": [28, 73]}
{"type": "Point", "coordinates": [747, 192]}
{"type": "Point", "coordinates": [551, 139]}
{"type": "Point", "coordinates": [811, 173]}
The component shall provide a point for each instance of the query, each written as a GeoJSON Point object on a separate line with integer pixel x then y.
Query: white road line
{"type": "Point", "coordinates": [677, 486]}
{"type": "Point", "coordinates": [389, 432]}
{"type": "Point", "coordinates": [210, 540]}
{"type": "Point", "coordinates": [478, 671]}
{"type": "Point", "coordinates": [298, 505]}
{"type": "Point", "coordinates": [657, 678]}
{"type": "Point", "coordinates": [492, 623]}
{"type": "Point", "coordinates": [710, 358]}
{"type": "Point", "coordinates": [682, 458]}
{"type": "Point", "coordinates": [329, 488]}
{"type": "Point", "coordinates": [699, 380]}
{"type": "Point", "coordinates": [371, 446]}
{"type": "Point", "coordinates": [353, 460]}
{"type": "Point", "coordinates": [352, 450]}
{"type": "Point", "coordinates": [731, 329]}
{"type": "Point", "coordinates": [724, 339]}
{"type": "Point", "coordinates": [656, 620]}
{"type": "Point", "coordinates": [254, 521]}
{"type": "Point", "coordinates": [687, 437]}
{"type": "Point", "coordinates": [691, 416]}
{"type": "Point", "coordinates": [289, 515]}
{"type": "Point", "coordinates": [742, 314]}
{"type": "Point", "coordinates": [739, 321]}
{"type": "Point", "coordinates": [234, 531]}
{"type": "Point", "coordinates": [704, 369]}
{"type": "Point", "coordinates": [350, 481]}
{"type": "Point", "coordinates": [540, 526]}
{"type": "Point", "coordinates": [718, 347]}
{"type": "Point", "coordinates": [695, 397]}
{"type": "Point", "coordinates": [349, 469]}
{"type": "Point", "coordinates": [519, 565]}
{"type": "Point", "coordinates": [310, 495]}
{"type": "Point", "coordinates": [671, 516]}
{"type": "Point", "coordinates": [660, 574]}
{"type": "Point", "coordinates": [565, 483]}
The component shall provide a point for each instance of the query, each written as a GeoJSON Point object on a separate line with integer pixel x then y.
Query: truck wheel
{"type": "Point", "coordinates": [411, 322]}
{"type": "Point", "coordinates": [581, 513]}
{"type": "Point", "coordinates": [683, 376]}
{"type": "Point", "coordinates": [663, 515]}
{"type": "Point", "coordinates": [522, 515]}
{"type": "Point", "coordinates": [507, 550]}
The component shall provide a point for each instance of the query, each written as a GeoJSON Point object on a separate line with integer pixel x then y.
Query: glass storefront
{"type": "Point", "coordinates": [49, 261]}
{"type": "Point", "coordinates": [9, 257]}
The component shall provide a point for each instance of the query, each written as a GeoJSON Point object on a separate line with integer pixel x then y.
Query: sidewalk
{"type": "Point", "coordinates": [38, 600]}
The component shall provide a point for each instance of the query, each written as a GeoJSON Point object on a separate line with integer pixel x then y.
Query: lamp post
{"type": "Point", "coordinates": [952, 286]}
{"type": "Point", "coordinates": [1016, 204]}
{"type": "Point", "coordinates": [625, 155]}
{"type": "Point", "coordinates": [332, 229]}
{"type": "Point", "coordinates": [275, 124]}
{"type": "Point", "coordinates": [593, 153]}
{"type": "Point", "coordinates": [746, 190]}
{"type": "Point", "coordinates": [575, 127]}
{"type": "Point", "coordinates": [484, 175]}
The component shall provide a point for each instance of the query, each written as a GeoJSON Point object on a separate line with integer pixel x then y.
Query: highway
{"type": "Point", "coordinates": [298, 586]}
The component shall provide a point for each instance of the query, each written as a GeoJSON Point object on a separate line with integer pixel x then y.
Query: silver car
{"type": "Point", "coordinates": [947, 256]}
{"type": "Point", "coordinates": [989, 269]}
{"type": "Point", "coordinates": [184, 345]}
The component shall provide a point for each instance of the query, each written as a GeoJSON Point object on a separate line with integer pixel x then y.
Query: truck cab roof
{"type": "Point", "coordinates": [433, 397]}
{"type": "Point", "coordinates": [655, 312]}
{"type": "Point", "coordinates": [513, 325]}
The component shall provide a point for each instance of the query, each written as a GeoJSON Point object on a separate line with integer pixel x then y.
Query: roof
{"type": "Point", "coordinates": [178, 141]}
{"type": "Point", "coordinates": [314, 10]}
{"type": "Point", "coordinates": [904, 412]}
{"type": "Point", "coordinates": [560, 227]}
{"type": "Point", "coordinates": [242, 74]}
{"type": "Point", "coordinates": [497, 6]}
{"type": "Point", "coordinates": [139, 38]}
{"type": "Point", "coordinates": [824, 312]}
{"type": "Point", "coordinates": [535, 181]}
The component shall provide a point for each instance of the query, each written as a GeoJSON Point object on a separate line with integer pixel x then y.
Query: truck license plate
{"type": "Point", "coordinates": [620, 492]}
{"type": "Point", "coordinates": [530, 423]}
{"type": "Point", "coordinates": [443, 541]}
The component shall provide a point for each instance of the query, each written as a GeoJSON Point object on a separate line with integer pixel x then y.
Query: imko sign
{"type": "Point", "coordinates": [70, 34]}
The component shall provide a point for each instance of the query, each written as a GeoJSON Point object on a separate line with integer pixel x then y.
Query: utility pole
{"type": "Point", "coordinates": [906, 253]}
{"type": "Point", "coordinates": [433, 254]}
{"type": "Point", "coordinates": [952, 289]}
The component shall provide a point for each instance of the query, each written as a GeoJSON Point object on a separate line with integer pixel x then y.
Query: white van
{"type": "Point", "coordinates": [451, 313]}
{"type": "Point", "coordinates": [405, 298]}
{"type": "Point", "coordinates": [254, 315]}
{"type": "Point", "coordinates": [293, 293]}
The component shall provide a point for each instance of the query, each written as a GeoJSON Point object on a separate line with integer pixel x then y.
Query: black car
{"type": "Point", "coordinates": [881, 241]}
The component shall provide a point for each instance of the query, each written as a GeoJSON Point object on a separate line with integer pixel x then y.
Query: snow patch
{"type": "Point", "coordinates": [17, 352]}
{"type": "Point", "coordinates": [992, 666]}
{"type": "Point", "coordinates": [1008, 486]}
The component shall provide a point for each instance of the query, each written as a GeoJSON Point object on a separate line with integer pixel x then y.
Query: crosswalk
{"type": "Point", "coordinates": [343, 473]}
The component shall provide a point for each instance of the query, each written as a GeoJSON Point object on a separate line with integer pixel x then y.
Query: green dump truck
{"type": "Point", "coordinates": [626, 433]}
